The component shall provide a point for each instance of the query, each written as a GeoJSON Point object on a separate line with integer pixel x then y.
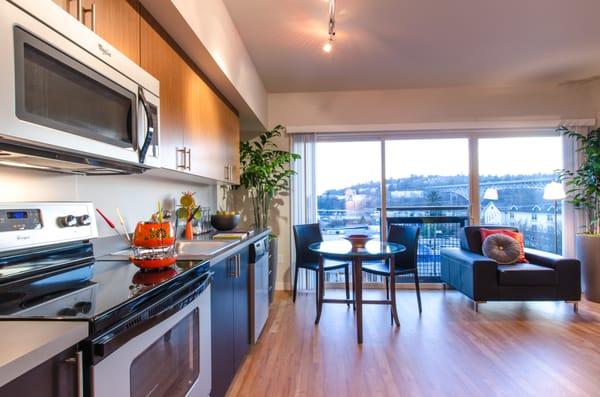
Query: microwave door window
{"type": "Point", "coordinates": [56, 91]}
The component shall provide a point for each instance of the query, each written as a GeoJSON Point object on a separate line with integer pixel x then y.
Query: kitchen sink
{"type": "Point", "coordinates": [200, 249]}
{"type": "Point", "coordinates": [186, 250]}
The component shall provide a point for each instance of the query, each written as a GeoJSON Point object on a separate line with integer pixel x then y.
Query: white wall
{"type": "Point", "coordinates": [135, 195]}
{"type": "Point", "coordinates": [333, 111]}
{"type": "Point", "coordinates": [310, 111]}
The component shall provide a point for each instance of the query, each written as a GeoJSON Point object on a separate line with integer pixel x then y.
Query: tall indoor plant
{"type": "Point", "coordinates": [265, 173]}
{"type": "Point", "coordinates": [583, 190]}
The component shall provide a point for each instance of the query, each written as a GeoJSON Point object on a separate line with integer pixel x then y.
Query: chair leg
{"type": "Point", "coordinates": [317, 296]}
{"type": "Point", "coordinates": [476, 305]}
{"type": "Point", "coordinates": [418, 288]}
{"type": "Point", "coordinates": [347, 279]}
{"type": "Point", "coordinates": [295, 284]}
{"type": "Point", "coordinates": [387, 288]}
{"type": "Point", "coordinates": [393, 293]}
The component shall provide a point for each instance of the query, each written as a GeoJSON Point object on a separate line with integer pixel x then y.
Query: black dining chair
{"type": "Point", "coordinates": [404, 262]}
{"type": "Point", "coordinates": [305, 235]}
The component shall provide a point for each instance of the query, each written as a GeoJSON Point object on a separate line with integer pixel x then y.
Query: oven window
{"type": "Point", "coordinates": [171, 365]}
{"type": "Point", "coordinates": [56, 91]}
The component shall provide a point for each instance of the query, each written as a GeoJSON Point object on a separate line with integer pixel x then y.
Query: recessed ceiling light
{"type": "Point", "coordinates": [327, 47]}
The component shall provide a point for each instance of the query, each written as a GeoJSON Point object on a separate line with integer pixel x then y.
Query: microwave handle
{"type": "Point", "coordinates": [111, 342]}
{"type": "Point", "coordinates": [150, 130]}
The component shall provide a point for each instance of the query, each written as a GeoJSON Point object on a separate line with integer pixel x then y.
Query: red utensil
{"type": "Point", "coordinates": [108, 222]}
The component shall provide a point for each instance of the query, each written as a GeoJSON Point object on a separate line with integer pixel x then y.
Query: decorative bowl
{"type": "Point", "coordinates": [358, 240]}
{"type": "Point", "coordinates": [224, 222]}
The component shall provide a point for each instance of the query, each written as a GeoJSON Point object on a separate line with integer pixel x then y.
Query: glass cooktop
{"type": "Point", "coordinates": [102, 292]}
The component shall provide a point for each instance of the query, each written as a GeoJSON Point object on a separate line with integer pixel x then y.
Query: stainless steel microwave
{"type": "Point", "coordinates": [71, 102]}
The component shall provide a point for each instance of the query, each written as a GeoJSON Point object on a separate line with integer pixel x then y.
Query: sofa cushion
{"type": "Point", "coordinates": [470, 237]}
{"type": "Point", "coordinates": [502, 248]}
{"type": "Point", "coordinates": [511, 233]}
{"type": "Point", "coordinates": [526, 274]}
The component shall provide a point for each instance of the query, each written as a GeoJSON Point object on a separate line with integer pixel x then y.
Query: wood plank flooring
{"type": "Point", "coordinates": [507, 349]}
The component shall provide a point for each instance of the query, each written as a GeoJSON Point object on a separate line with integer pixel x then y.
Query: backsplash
{"type": "Point", "coordinates": [135, 195]}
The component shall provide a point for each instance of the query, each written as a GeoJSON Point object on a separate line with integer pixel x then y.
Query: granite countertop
{"type": "Point", "coordinates": [26, 344]}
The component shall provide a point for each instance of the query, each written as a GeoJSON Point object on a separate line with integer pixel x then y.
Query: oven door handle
{"type": "Point", "coordinates": [110, 342]}
{"type": "Point", "coordinates": [150, 126]}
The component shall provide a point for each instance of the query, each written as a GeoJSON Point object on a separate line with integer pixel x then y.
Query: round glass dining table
{"type": "Point", "coordinates": [374, 250]}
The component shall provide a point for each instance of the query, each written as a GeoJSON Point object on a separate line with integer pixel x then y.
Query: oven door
{"type": "Point", "coordinates": [62, 97]}
{"type": "Point", "coordinates": [170, 359]}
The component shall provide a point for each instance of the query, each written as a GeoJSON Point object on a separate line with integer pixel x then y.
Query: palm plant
{"type": "Point", "coordinates": [583, 184]}
{"type": "Point", "coordinates": [265, 172]}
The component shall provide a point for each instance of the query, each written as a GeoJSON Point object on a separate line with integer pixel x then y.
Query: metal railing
{"type": "Point", "coordinates": [439, 227]}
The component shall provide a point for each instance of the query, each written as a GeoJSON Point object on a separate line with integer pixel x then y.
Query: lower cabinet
{"type": "Point", "coordinates": [56, 377]}
{"type": "Point", "coordinates": [229, 319]}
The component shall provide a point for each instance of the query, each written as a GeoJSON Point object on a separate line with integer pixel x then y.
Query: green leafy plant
{"type": "Point", "coordinates": [265, 172]}
{"type": "Point", "coordinates": [583, 184]}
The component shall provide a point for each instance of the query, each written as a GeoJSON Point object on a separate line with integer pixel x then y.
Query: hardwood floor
{"type": "Point", "coordinates": [507, 349]}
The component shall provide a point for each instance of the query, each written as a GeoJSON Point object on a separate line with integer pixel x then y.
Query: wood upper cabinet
{"type": "Point", "coordinates": [159, 59]}
{"type": "Point", "coordinates": [199, 133]}
{"type": "Point", "coordinates": [117, 21]}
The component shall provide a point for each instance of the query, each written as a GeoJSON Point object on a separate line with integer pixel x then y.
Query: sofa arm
{"type": "Point", "coordinates": [548, 259]}
{"type": "Point", "coordinates": [473, 274]}
{"type": "Point", "coordinates": [568, 269]}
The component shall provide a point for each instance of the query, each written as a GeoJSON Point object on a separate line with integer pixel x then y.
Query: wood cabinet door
{"type": "Point", "coordinates": [233, 146]}
{"type": "Point", "coordinates": [118, 22]}
{"type": "Point", "coordinates": [159, 59]}
{"type": "Point", "coordinates": [221, 309]}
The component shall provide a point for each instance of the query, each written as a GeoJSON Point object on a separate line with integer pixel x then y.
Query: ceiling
{"type": "Point", "coordinates": [392, 44]}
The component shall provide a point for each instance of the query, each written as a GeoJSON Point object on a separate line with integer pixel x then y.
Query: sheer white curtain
{"type": "Point", "coordinates": [573, 219]}
{"type": "Point", "coordinates": [304, 198]}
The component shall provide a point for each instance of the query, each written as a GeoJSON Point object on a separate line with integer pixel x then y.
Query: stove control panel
{"type": "Point", "coordinates": [25, 225]}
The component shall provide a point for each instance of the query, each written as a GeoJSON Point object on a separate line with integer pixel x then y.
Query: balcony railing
{"type": "Point", "coordinates": [439, 227]}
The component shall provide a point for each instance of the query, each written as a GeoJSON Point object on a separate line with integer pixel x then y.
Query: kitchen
{"type": "Point", "coordinates": [110, 123]}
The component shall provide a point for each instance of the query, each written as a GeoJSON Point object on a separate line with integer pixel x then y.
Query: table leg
{"type": "Point", "coordinates": [393, 291]}
{"type": "Point", "coordinates": [320, 292]}
{"type": "Point", "coordinates": [357, 271]}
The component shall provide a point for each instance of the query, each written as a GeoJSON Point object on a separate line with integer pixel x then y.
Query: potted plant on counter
{"type": "Point", "coordinates": [265, 174]}
{"type": "Point", "coordinates": [583, 190]}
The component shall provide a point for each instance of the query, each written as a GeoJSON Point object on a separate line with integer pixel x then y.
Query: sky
{"type": "Point", "coordinates": [342, 164]}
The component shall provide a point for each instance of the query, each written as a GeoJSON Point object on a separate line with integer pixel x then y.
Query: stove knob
{"type": "Point", "coordinates": [67, 221]}
{"type": "Point", "coordinates": [84, 220]}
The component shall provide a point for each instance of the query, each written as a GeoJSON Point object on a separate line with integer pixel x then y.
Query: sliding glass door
{"type": "Point", "coordinates": [427, 184]}
{"type": "Point", "coordinates": [513, 173]}
{"type": "Point", "coordinates": [364, 182]}
{"type": "Point", "coordinates": [348, 187]}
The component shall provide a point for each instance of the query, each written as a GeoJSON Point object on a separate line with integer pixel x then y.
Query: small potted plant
{"type": "Point", "coordinates": [265, 174]}
{"type": "Point", "coordinates": [583, 190]}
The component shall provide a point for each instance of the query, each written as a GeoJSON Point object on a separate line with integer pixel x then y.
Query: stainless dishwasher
{"type": "Point", "coordinates": [258, 267]}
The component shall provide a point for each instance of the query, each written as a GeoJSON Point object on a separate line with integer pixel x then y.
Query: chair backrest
{"type": "Point", "coordinates": [408, 236]}
{"type": "Point", "coordinates": [305, 235]}
{"type": "Point", "coordinates": [470, 236]}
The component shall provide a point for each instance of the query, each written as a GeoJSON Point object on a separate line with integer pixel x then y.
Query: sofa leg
{"type": "Point", "coordinates": [476, 305]}
{"type": "Point", "coordinates": [575, 306]}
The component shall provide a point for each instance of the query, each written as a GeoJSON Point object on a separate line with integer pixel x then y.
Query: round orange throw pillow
{"type": "Point", "coordinates": [502, 248]}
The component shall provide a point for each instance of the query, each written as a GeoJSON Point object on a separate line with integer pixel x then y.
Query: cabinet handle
{"type": "Point", "coordinates": [78, 361]}
{"type": "Point", "coordinates": [230, 172]}
{"type": "Point", "coordinates": [230, 268]}
{"type": "Point", "coordinates": [189, 159]}
{"type": "Point", "coordinates": [226, 172]}
{"type": "Point", "coordinates": [82, 11]}
{"type": "Point", "coordinates": [182, 152]}
{"type": "Point", "coordinates": [239, 265]}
